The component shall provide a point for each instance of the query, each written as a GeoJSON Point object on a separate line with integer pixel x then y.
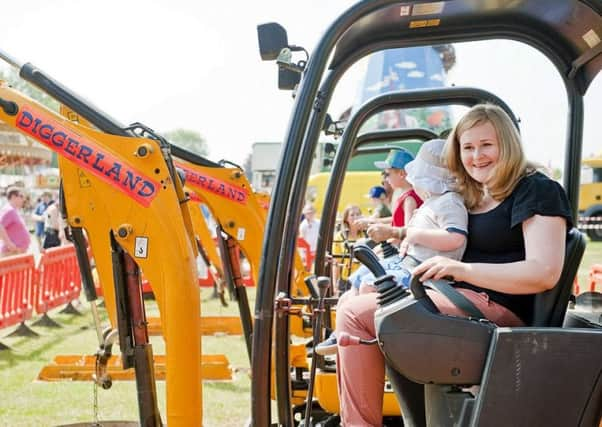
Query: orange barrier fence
{"type": "Point", "coordinates": [595, 277]}
{"type": "Point", "coordinates": [306, 253]}
{"type": "Point", "coordinates": [17, 285]}
{"type": "Point", "coordinates": [59, 280]}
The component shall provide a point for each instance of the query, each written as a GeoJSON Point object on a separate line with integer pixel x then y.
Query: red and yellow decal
{"type": "Point", "coordinates": [87, 155]}
{"type": "Point", "coordinates": [216, 186]}
{"type": "Point", "coordinates": [194, 197]}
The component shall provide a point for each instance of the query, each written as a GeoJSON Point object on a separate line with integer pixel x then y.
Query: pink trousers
{"type": "Point", "coordinates": [361, 368]}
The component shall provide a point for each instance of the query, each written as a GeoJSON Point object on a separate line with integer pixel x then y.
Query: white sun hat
{"type": "Point", "coordinates": [428, 171]}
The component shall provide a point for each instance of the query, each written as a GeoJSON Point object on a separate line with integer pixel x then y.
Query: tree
{"type": "Point", "coordinates": [28, 89]}
{"type": "Point", "coordinates": [247, 166]}
{"type": "Point", "coordinates": [189, 140]}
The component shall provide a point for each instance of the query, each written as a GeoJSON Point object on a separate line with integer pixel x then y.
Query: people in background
{"type": "Point", "coordinates": [54, 233]}
{"type": "Point", "coordinates": [14, 237]}
{"type": "Point", "coordinates": [38, 217]}
{"type": "Point", "coordinates": [378, 198]}
{"type": "Point", "coordinates": [309, 227]}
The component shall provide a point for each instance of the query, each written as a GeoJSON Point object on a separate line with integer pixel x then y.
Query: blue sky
{"type": "Point", "coordinates": [189, 64]}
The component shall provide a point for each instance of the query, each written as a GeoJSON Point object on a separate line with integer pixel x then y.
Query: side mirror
{"type": "Point", "coordinates": [330, 127]}
{"type": "Point", "coordinates": [329, 148]}
{"type": "Point", "coordinates": [272, 39]}
{"type": "Point", "coordinates": [288, 79]}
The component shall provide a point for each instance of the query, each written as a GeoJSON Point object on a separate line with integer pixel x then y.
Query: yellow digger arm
{"type": "Point", "coordinates": [120, 188]}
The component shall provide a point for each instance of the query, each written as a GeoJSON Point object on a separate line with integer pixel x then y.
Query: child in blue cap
{"type": "Point", "coordinates": [378, 197]}
{"type": "Point", "coordinates": [405, 204]}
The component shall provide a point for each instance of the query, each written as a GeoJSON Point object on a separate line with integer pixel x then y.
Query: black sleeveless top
{"type": "Point", "coordinates": [496, 236]}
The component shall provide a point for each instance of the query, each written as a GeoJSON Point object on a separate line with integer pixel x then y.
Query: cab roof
{"type": "Point", "coordinates": [567, 31]}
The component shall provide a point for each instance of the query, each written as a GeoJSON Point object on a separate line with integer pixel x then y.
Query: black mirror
{"type": "Point", "coordinates": [329, 148]}
{"type": "Point", "coordinates": [272, 39]}
{"type": "Point", "coordinates": [288, 79]}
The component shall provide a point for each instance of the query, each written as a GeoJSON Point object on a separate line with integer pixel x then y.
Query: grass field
{"type": "Point", "coordinates": [27, 402]}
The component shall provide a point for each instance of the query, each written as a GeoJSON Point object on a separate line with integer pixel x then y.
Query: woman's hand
{"type": "Point", "coordinates": [363, 223]}
{"type": "Point", "coordinates": [440, 267]}
{"type": "Point", "coordinates": [380, 232]}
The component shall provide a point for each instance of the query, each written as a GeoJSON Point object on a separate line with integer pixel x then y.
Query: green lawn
{"type": "Point", "coordinates": [26, 402]}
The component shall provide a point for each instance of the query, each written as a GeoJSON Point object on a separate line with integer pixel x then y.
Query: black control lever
{"type": "Point", "coordinates": [369, 259]}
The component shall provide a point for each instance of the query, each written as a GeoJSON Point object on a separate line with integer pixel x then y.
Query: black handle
{"type": "Point", "coordinates": [367, 257]}
{"type": "Point", "coordinates": [419, 293]}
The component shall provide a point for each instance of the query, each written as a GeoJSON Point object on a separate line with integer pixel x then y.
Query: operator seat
{"type": "Point", "coordinates": [536, 375]}
{"type": "Point", "coordinates": [550, 306]}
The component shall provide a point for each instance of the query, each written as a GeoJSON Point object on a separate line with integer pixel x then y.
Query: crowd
{"type": "Point", "coordinates": [15, 235]}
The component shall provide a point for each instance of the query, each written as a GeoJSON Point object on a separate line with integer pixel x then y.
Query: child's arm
{"type": "Point", "coordinates": [409, 206]}
{"type": "Point", "coordinates": [440, 240]}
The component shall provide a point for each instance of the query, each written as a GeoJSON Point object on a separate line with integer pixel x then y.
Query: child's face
{"type": "Point", "coordinates": [396, 177]}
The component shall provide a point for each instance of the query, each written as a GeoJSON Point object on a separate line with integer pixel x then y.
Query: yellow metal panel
{"type": "Point", "coordinates": [210, 325]}
{"type": "Point", "coordinates": [326, 392]}
{"type": "Point", "coordinates": [81, 368]}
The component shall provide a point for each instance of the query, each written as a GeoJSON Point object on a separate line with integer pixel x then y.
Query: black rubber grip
{"type": "Point", "coordinates": [367, 257]}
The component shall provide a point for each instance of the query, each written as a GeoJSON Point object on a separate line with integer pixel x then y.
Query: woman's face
{"type": "Point", "coordinates": [480, 151]}
{"type": "Point", "coordinates": [353, 215]}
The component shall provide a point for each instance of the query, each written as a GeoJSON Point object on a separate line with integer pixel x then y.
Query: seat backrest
{"type": "Point", "coordinates": [550, 306]}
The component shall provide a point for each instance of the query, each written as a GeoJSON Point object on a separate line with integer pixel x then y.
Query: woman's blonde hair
{"type": "Point", "coordinates": [511, 166]}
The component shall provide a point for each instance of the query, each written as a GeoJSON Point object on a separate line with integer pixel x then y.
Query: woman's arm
{"type": "Point", "coordinates": [440, 240]}
{"type": "Point", "coordinates": [545, 239]}
{"type": "Point", "coordinates": [368, 221]}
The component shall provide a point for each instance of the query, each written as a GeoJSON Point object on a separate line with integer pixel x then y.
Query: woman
{"type": "Point", "coordinates": [517, 225]}
{"type": "Point", "coordinates": [350, 232]}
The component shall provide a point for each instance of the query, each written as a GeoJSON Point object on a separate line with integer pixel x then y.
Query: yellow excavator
{"type": "Point", "coordinates": [121, 187]}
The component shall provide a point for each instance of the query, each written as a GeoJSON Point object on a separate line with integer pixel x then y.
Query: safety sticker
{"type": "Point", "coordinates": [240, 234]}
{"type": "Point", "coordinates": [591, 38]}
{"type": "Point", "coordinates": [84, 182]}
{"type": "Point", "coordinates": [425, 23]}
{"type": "Point", "coordinates": [86, 154]}
{"type": "Point", "coordinates": [214, 185]}
{"type": "Point", "coordinates": [141, 247]}
{"type": "Point", "coordinates": [428, 8]}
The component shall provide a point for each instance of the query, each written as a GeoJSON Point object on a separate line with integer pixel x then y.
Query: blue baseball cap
{"type": "Point", "coordinates": [376, 191]}
{"type": "Point", "coordinates": [398, 158]}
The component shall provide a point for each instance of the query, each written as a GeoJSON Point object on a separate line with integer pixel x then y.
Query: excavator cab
{"type": "Point", "coordinates": [520, 380]}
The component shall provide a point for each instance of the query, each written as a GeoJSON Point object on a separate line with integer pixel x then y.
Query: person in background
{"type": "Point", "coordinates": [309, 227]}
{"type": "Point", "coordinates": [38, 217]}
{"type": "Point", "coordinates": [14, 237]}
{"type": "Point", "coordinates": [54, 229]}
{"type": "Point", "coordinates": [405, 205]}
{"type": "Point", "coordinates": [388, 190]}
{"type": "Point", "coordinates": [342, 246]}
{"type": "Point", "coordinates": [378, 198]}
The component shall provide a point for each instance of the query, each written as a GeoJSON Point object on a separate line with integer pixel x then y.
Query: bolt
{"type": "Point", "coordinates": [124, 230]}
